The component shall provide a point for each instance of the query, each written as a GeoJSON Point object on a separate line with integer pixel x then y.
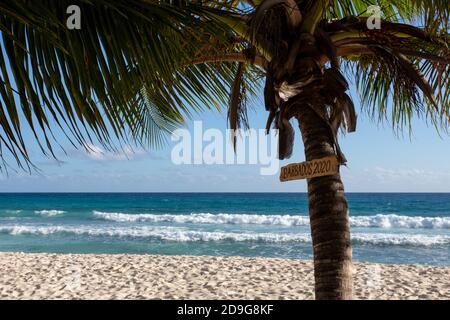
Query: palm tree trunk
{"type": "Point", "coordinates": [328, 211]}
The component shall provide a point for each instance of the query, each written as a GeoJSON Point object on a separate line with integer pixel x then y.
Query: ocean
{"type": "Point", "coordinates": [395, 228]}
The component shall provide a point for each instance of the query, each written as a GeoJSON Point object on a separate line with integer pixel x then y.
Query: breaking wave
{"type": "Point", "coordinates": [11, 211]}
{"type": "Point", "coordinates": [185, 235]}
{"type": "Point", "coordinates": [50, 213]}
{"type": "Point", "coordinates": [375, 221]}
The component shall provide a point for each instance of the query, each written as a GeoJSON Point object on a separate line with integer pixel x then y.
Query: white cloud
{"type": "Point", "coordinates": [408, 174]}
{"type": "Point", "coordinates": [397, 179]}
{"type": "Point", "coordinates": [97, 153]}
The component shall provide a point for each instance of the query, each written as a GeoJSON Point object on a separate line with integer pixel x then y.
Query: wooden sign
{"type": "Point", "coordinates": [310, 169]}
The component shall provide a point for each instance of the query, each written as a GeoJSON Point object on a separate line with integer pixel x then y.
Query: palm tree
{"type": "Point", "coordinates": [136, 68]}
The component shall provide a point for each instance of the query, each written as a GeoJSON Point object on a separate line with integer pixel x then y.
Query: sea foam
{"type": "Point", "coordinates": [50, 213]}
{"type": "Point", "coordinates": [374, 221]}
{"type": "Point", "coordinates": [186, 235]}
{"type": "Point", "coordinates": [13, 211]}
{"type": "Point", "coordinates": [206, 218]}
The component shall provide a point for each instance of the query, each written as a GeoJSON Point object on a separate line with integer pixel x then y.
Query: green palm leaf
{"type": "Point", "coordinates": [137, 68]}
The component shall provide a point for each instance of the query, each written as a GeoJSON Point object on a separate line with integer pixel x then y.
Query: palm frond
{"type": "Point", "coordinates": [400, 63]}
{"type": "Point", "coordinates": [237, 113]}
{"type": "Point", "coordinates": [118, 78]}
{"type": "Point", "coordinates": [77, 80]}
{"type": "Point", "coordinates": [138, 67]}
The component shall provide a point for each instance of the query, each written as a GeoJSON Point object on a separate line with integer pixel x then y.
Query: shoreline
{"type": "Point", "coordinates": [136, 276]}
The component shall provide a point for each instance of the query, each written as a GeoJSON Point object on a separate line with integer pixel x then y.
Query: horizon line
{"type": "Point", "coordinates": [218, 192]}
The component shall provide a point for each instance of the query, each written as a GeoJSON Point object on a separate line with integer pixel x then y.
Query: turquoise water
{"type": "Point", "coordinates": [386, 228]}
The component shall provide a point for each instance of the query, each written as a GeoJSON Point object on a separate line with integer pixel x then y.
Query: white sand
{"type": "Point", "coordinates": [86, 276]}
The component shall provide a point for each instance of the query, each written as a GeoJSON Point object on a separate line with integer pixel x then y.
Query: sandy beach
{"type": "Point", "coordinates": [87, 276]}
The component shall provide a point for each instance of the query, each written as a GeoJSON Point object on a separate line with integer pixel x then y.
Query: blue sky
{"type": "Point", "coordinates": [378, 162]}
